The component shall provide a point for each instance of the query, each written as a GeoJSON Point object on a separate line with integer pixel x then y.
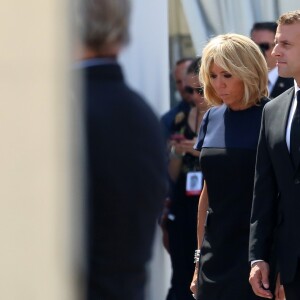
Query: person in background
{"type": "Point", "coordinates": [276, 198]}
{"type": "Point", "coordinates": [177, 112]}
{"type": "Point", "coordinates": [263, 34]}
{"type": "Point", "coordinates": [234, 74]}
{"type": "Point", "coordinates": [126, 167]}
{"type": "Point", "coordinates": [180, 219]}
{"type": "Point", "coordinates": [184, 104]}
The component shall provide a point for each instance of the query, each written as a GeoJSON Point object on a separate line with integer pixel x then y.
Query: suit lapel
{"type": "Point", "coordinates": [286, 113]}
{"type": "Point", "coordinates": [297, 158]}
{"type": "Point", "coordinates": [285, 107]}
{"type": "Point", "coordinates": [292, 94]}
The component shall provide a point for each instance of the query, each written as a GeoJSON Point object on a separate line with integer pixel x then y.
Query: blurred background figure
{"type": "Point", "coordinates": [184, 104]}
{"type": "Point", "coordinates": [179, 222]}
{"type": "Point", "coordinates": [263, 34]}
{"type": "Point", "coordinates": [126, 175]}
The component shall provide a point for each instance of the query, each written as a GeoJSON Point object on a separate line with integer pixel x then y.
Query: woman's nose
{"type": "Point", "coordinates": [219, 83]}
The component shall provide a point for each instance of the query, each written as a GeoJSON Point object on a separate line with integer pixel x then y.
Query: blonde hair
{"type": "Point", "coordinates": [290, 17]}
{"type": "Point", "coordinates": [239, 56]}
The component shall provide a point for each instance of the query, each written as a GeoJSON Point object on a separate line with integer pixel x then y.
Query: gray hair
{"type": "Point", "coordinates": [103, 23]}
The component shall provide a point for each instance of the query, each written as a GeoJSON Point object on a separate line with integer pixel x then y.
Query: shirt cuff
{"type": "Point", "coordinates": [255, 261]}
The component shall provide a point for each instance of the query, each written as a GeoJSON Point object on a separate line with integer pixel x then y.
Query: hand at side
{"type": "Point", "coordinates": [259, 279]}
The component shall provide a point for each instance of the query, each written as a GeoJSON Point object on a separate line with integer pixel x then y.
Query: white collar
{"type": "Point", "coordinates": [297, 88]}
{"type": "Point", "coordinates": [273, 75]}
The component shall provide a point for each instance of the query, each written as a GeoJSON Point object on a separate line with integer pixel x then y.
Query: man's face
{"type": "Point", "coordinates": [287, 50]}
{"type": "Point", "coordinates": [265, 40]}
{"type": "Point", "coordinates": [195, 90]}
{"type": "Point", "coordinates": [179, 75]}
{"type": "Point", "coordinates": [190, 82]}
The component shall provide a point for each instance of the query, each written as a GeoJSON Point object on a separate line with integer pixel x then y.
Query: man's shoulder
{"type": "Point", "coordinates": [180, 106]}
{"type": "Point", "coordinates": [281, 84]}
{"type": "Point", "coordinates": [104, 71]}
{"type": "Point", "coordinates": [108, 93]}
{"type": "Point", "coordinates": [170, 113]}
{"type": "Point", "coordinates": [280, 100]}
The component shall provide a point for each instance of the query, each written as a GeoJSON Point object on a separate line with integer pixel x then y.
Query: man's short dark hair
{"type": "Point", "coordinates": [194, 67]}
{"type": "Point", "coordinates": [271, 26]}
{"type": "Point", "coordinates": [183, 60]}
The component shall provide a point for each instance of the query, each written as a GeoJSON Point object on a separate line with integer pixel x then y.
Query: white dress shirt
{"type": "Point", "coordinates": [292, 112]}
{"type": "Point", "coordinates": [272, 78]}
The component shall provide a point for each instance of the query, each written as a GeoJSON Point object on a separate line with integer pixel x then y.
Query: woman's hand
{"type": "Point", "coordinates": [163, 223]}
{"type": "Point", "coordinates": [279, 290]}
{"type": "Point", "coordinates": [194, 283]}
{"type": "Point", "coordinates": [188, 146]}
{"type": "Point", "coordinates": [175, 160]}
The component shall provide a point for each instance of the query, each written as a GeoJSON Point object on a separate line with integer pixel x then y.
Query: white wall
{"type": "Point", "coordinates": [146, 59]}
{"type": "Point", "coordinates": [230, 16]}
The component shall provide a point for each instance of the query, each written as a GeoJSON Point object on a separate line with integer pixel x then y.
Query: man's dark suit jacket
{"type": "Point", "coordinates": [280, 86]}
{"type": "Point", "coordinates": [168, 118]}
{"type": "Point", "coordinates": [276, 199]}
{"type": "Point", "coordinates": [126, 181]}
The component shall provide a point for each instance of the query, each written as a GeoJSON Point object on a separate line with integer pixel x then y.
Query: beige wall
{"type": "Point", "coordinates": [177, 20]}
{"type": "Point", "coordinates": [37, 194]}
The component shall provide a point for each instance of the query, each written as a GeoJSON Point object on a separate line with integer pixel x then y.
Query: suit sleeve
{"type": "Point", "coordinates": [263, 215]}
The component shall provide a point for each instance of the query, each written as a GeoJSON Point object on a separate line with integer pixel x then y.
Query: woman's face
{"type": "Point", "coordinates": [195, 89]}
{"type": "Point", "coordinates": [227, 87]}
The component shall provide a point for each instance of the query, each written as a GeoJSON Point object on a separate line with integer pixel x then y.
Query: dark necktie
{"type": "Point", "coordinates": [295, 134]}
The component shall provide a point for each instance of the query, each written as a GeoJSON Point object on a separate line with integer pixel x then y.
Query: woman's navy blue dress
{"type": "Point", "coordinates": [227, 141]}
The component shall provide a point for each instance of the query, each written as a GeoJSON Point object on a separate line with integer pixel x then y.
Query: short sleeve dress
{"type": "Point", "coordinates": [227, 141]}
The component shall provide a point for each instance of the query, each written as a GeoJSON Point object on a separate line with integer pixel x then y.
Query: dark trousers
{"type": "Point", "coordinates": [116, 285]}
{"type": "Point", "coordinates": [182, 261]}
{"type": "Point", "coordinates": [292, 289]}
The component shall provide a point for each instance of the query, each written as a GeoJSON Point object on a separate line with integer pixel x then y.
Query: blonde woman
{"type": "Point", "coordinates": [234, 74]}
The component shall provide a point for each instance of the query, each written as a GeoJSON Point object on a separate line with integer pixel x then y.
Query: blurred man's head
{"type": "Point", "coordinates": [190, 83]}
{"type": "Point", "coordinates": [193, 86]}
{"type": "Point", "coordinates": [263, 34]}
{"type": "Point", "coordinates": [102, 26]}
{"type": "Point", "coordinates": [179, 75]}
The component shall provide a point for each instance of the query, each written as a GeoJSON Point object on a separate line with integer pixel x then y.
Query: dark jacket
{"type": "Point", "coordinates": [280, 86]}
{"type": "Point", "coordinates": [125, 183]}
{"type": "Point", "coordinates": [276, 201]}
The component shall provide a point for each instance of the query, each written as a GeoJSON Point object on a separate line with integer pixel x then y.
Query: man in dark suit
{"type": "Point", "coordinates": [184, 105]}
{"type": "Point", "coordinates": [263, 34]}
{"type": "Point", "coordinates": [276, 202]}
{"type": "Point", "coordinates": [126, 168]}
